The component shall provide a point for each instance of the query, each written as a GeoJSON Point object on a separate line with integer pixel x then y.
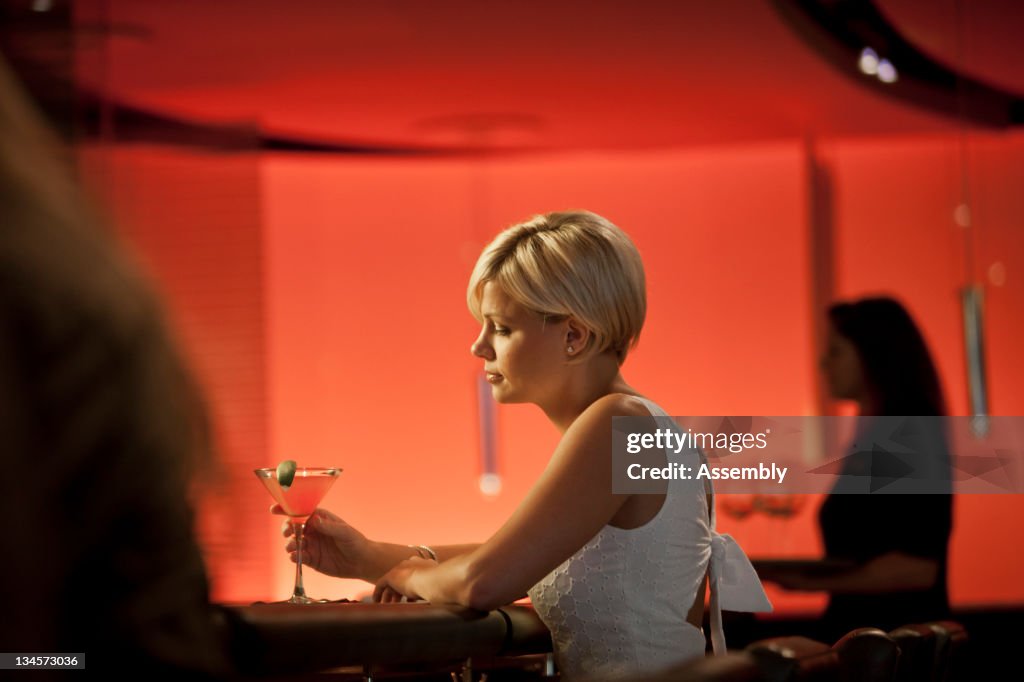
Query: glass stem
{"type": "Point", "coordinates": [299, 594]}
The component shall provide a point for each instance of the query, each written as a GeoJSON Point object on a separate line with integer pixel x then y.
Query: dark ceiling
{"type": "Point", "coordinates": [523, 73]}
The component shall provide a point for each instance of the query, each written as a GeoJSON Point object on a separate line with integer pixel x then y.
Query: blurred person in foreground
{"type": "Point", "coordinates": [102, 430]}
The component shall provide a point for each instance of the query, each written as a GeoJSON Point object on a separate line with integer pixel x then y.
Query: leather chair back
{"type": "Point", "coordinates": [918, 649]}
{"type": "Point", "coordinates": [867, 655]}
{"type": "Point", "coordinates": [952, 642]}
{"type": "Point", "coordinates": [795, 659]}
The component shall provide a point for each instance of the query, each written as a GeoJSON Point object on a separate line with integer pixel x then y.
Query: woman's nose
{"type": "Point", "coordinates": [481, 348]}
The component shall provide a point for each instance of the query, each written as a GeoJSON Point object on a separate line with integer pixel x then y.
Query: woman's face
{"type": "Point", "coordinates": [842, 367]}
{"type": "Point", "coordinates": [524, 354]}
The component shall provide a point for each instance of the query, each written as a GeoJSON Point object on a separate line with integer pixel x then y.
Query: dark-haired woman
{"type": "Point", "coordinates": [890, 513]}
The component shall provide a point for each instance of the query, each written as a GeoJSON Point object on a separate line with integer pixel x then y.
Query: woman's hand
{"type": "Point", "coordinates": [888, 573]}
{"type": "Point", "coordinates": [330, 545]}
{"type": "Point", "coordinates": [396, 583]}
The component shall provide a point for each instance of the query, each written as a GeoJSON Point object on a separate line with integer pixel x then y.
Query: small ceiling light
{"type": "Point", "coordinates": [887, 72]}
{"type": "Point", "coordinates": [997, 274]}
{"type": "Point", "coordinates": [490, 484]}
{"type": "Point", "coordinates": [42, 5]}
{"type": "Point", "coordinates": [962, 215]}
{"type": "Point", "coordinates": [868, 61]}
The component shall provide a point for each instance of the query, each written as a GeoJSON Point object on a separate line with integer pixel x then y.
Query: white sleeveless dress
{"type": "Point", "coordinates": [618, 606]}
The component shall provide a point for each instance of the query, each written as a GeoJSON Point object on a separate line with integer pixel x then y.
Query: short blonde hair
{"type": "Point", "coordinates": [572, 263]}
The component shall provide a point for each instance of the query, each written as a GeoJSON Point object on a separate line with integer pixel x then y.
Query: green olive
{"type": "Point", "coordinates": [286, 473]}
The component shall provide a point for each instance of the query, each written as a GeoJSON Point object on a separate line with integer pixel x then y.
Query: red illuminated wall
{"type": "Point", "coordinates": [357, 315]}
{"type": "Point", "coordinates": [369, 333]}
{"type": "Point", "coordinates": [193, 220]}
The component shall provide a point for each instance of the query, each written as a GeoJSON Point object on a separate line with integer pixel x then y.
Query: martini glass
{"type": "Point", "coordinates": [299, 501]}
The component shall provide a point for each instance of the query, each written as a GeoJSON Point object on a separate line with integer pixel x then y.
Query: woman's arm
{"type": "Point", "coordinates": [566, 507]}
{"type": "Point", "coordinates": [335, 548]}
{"type": "Point", "coordinates": [381, 557]}
{"type": "Point", "coordinates": [890, 572]}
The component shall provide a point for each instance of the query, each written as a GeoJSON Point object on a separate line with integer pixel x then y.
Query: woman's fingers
{"type": "Point", "coordinates": [385, 594]}
{"type": "Point", "coordinates": [308, 554]}
{"type": "Point", "coordinates": [322, 514]}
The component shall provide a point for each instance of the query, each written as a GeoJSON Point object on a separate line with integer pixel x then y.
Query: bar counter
{"type": "Point", "coordinates": [281, 638]}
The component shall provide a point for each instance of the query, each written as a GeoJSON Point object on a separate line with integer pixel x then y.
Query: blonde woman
{"type": "Point", "coordinates": [618, 579]}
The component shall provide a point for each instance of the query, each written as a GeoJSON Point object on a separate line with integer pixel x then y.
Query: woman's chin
{"type": "Point", "coordinates": [502, 395]}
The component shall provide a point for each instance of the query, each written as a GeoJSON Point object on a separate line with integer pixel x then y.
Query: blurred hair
{"type": "Point", "coordinates": [899, 370]}
{"type": "Point", "coordinates": [102, 429]}
{"type": "Point", "coordinates": [54, 239]}
{"type": "Point", "coordinates": [570, 264]}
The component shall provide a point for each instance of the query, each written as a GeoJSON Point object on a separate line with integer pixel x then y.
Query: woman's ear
{"type": "Point", "coordinates": [576, 337]}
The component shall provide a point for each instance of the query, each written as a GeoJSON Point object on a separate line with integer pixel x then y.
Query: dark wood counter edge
{"type": "Point", "coordinates": [269, 639]}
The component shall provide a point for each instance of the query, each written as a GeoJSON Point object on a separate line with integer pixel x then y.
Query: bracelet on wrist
{"type": "Point", "coordinates": [424, 552]}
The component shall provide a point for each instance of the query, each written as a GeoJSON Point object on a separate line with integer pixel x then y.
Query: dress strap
{"type": "Point", "coordinates": [734, 586]}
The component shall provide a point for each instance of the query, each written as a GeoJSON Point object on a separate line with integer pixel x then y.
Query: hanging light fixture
{"type": "Point", "coordinates": [972, 292]}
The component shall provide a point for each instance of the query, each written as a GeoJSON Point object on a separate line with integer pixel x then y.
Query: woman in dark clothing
{"type": "Point", "coordinates": [877, 357]}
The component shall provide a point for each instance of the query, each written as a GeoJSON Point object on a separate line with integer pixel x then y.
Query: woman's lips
{"type": "Point", "coordinates": [494, 377]}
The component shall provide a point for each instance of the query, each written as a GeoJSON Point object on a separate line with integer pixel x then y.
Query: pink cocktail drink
{"type": "Point", "coordinates": [299, 501]}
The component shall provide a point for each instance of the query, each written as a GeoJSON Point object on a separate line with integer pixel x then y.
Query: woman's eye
{"type": "Point", "coordinates": [501, 331]}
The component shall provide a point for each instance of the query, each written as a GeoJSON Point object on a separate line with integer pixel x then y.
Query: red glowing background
{"type": "Point", "coordinates": [322, 296]}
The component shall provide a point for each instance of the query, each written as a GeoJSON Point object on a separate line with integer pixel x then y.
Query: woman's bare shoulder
{"type": "Point", "coordinates": [618, 405]}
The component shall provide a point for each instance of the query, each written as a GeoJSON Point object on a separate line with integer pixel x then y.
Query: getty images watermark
{"type": "Point", "coordinates": [852, 455]}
